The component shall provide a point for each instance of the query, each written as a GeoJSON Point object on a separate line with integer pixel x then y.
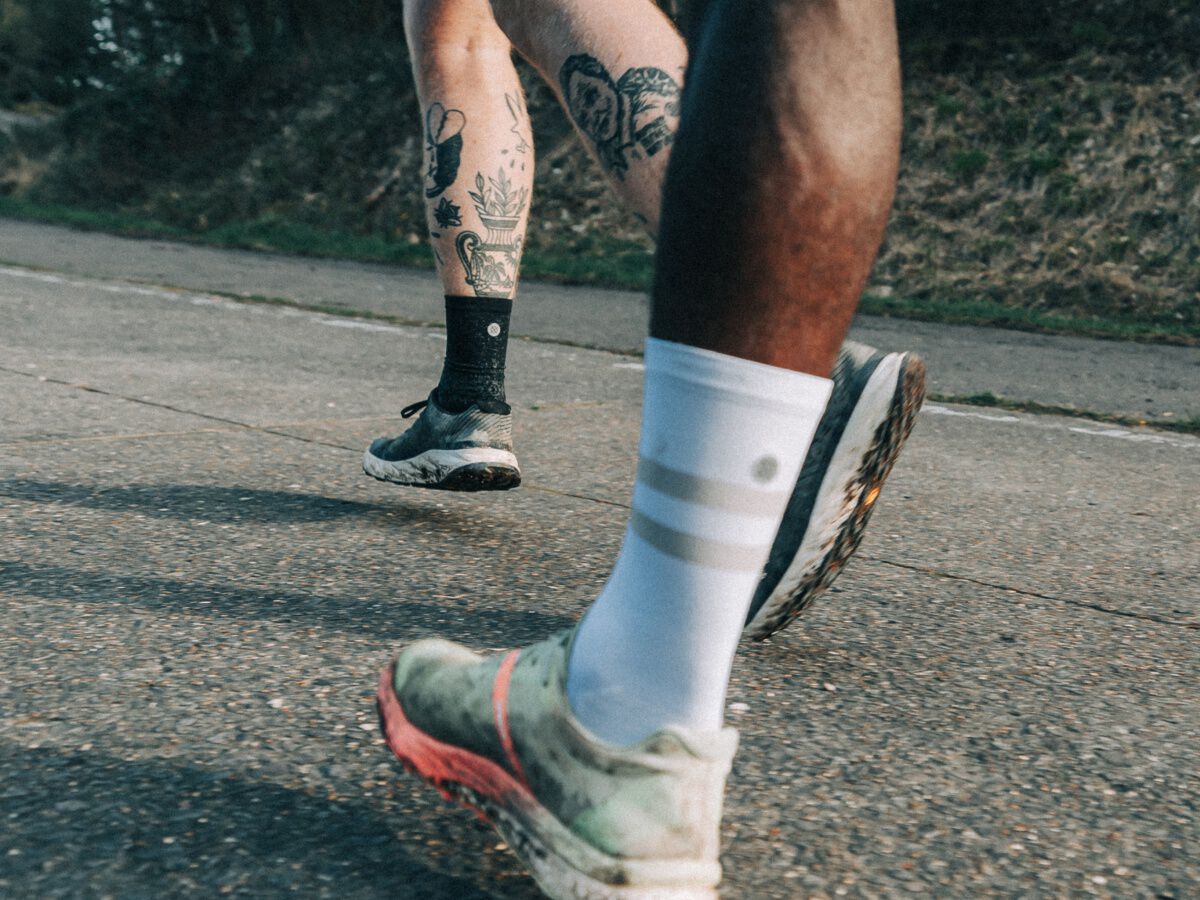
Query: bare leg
{"type": "Point", "coordinates": [778, 192]}
{"type": "Point", "coordinates": [780, 203]}
{"type": "Point", "coordinates": [781, 180]}
{"type": "Point", "coordinates": [478, 143]}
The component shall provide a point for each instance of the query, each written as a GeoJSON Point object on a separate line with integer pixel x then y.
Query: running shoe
{"type": "Point", "coordinates": [870, 415]}
{"type": "Point", "coordinates": [589, 819]}
{"type": "Point", "coordinates": [467, 451]}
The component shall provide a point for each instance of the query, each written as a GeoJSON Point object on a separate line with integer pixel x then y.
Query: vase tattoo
{"type": "Point", "coordinates": [491, 262]}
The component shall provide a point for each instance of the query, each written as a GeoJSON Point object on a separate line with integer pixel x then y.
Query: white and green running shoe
{"type": "Point", "coordinates": [467, 451]}
{"type": "Point", "coordinates": [589, 819]}
{"type": "Point", "coordinates": [870, 414]}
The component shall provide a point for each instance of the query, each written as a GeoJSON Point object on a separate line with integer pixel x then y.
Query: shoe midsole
{"type": "Point", "coordinates": [435, 465]}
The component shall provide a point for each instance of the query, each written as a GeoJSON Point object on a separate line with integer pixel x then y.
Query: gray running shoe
{"type": "Point", "coordinates": [589, 819]}
{"type": "Point", "coordinates": [467, 451]}
{"type": "Point", "coordinates": [870, 415]}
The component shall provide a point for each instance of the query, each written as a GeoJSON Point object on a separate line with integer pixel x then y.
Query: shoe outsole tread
{"type": "Point", "coordinates": [873, 471]}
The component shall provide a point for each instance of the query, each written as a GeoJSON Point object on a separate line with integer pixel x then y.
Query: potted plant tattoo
{"type": "Point", "coordinates": [491, 263]}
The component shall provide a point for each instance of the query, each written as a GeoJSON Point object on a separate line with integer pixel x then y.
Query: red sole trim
{"type": "Point", "coordinates": [445, 766]}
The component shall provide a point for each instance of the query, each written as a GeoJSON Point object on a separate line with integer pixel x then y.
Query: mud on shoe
{"type": "Point", "coordinates": [870, 414]}
{"type": "Point", "coordinates": [467, 451]}
{"type": "Point", "coordinates": [589, 819]}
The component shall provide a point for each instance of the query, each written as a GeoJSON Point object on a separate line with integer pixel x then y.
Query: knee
{"type": "Point", "coordinates": [452, 27]}
{"type": "Point", "coordinates": [519, 20]}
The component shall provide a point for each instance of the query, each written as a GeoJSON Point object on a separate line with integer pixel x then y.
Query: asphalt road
{"type": "Point", "coordinates": [1153, 383]}
{"type": "Point", "coordinates": [198, 586]}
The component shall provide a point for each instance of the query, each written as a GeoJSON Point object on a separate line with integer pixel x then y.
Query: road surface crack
{"type": "Point", "coordinates": [923, 570]}
{"type": "Point", "coordinates": [1082, 604]}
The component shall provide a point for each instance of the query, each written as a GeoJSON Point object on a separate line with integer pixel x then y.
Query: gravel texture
{"type": "Point", "coordinates": [198, 585]}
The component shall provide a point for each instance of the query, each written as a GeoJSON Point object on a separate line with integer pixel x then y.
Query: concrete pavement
{"type": "Point", "coordinates": [197, 586]}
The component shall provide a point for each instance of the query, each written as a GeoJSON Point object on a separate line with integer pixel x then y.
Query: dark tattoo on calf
{"type": "Point", "coordinates": [447, 214]}
{"type": "Point", "coordinates": [443, 140]}
{"type": "Point", "coordinates": [595, 104]}
{"type": "Point", "coordinates": [633, 117]}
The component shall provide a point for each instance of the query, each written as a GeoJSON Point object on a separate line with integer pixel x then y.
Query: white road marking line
{"type": "Point", "coordinates": [332, 321]}
{"type": "Point", "coordinates": [1125, 434]}
{"type": "Point", "coordinates": [936, 410]}
{"type": "Point", "coordinates": [1037, 420]}
{"type": "Point", "coordinates": [202, 299]}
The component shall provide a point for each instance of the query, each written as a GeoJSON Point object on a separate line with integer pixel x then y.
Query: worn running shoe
{"type": "Point", "coordinates": [589, 819]}
{"type": "Point", "coordinates": [467, 451]}
{"type": "Point", "coordinates": [870, 415]}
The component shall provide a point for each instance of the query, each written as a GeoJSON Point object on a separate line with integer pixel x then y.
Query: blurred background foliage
{"type": "Point", "coordinates": [1051, 168]}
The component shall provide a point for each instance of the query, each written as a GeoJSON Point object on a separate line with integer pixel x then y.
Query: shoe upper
{"type": "Point", "coordinates": [438, 429]}
{"type": "Point", "coordinates": [660, 799]}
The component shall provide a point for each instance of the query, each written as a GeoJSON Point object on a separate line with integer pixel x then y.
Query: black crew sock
{"type": "Point", "coordinates": [476, 346]}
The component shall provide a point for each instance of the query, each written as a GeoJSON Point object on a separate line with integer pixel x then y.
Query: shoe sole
{"type": "Point", "coordinates": [531, 830]}
{"type": "Point", "coordinates": [469, 469]}
{"type": "Point", "coordinates": [863, 457]}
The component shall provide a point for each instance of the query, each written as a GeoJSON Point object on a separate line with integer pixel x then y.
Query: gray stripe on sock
{"type": "Point", "coordinates": [689, 548]}
{"type": "Point", "coordinates": [710, 492]}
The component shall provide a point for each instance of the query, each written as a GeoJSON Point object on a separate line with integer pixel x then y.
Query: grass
{"type": "Point", "coordinates": [979, 311]}
{"type": "Point", "coordinates": [1048, 177]}
{"type": "Point", "coordinates": [616, 263]}
{"type": "Point", "coordinates": [88, 220]}
{"type": "Point", "coordinates": [624, 264]}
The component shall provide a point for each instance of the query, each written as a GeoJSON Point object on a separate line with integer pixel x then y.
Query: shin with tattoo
{"type": "Point", "coordinates": [477, 187]}
{"type": "Point", "coordinates": [479, 152]}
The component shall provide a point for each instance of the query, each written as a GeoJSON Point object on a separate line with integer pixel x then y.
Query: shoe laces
{"type": "Point", "coordinates": [413, 408]}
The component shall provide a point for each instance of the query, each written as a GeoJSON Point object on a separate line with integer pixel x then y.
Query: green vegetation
{"type": "Point", "coordinates": [1049, 178]}
{"type": "Point", "coordinates": [627, 265]}
{"type": "Point", "coordinates": [982, 311]}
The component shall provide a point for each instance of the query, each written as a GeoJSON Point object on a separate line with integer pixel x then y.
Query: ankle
{"type": "Point", "coordinates": [476, 349]}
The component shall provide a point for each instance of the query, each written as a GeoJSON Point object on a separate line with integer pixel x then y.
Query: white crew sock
{"type": "Point", "coordinates": [722, 443]}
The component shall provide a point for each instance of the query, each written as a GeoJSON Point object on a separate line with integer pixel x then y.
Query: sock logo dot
{"type": "Point", "coordinates": [765, 468]}
{"type": "Point", "coordinates": [494, 329]}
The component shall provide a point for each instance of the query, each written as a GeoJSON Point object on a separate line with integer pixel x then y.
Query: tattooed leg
{"type": "Point", "coordinates": [618, 70]}
{"type": "Point", "coordinates": [479, 153]}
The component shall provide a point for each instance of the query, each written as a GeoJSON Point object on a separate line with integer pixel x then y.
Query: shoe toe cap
{"type": "Point", "coordinates": [384, 448]}
{"type": "Point", "coordinates": [430, 654]}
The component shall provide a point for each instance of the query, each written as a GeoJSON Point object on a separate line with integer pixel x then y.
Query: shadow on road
{"type": "Point", "coordinates": [390, 618]}
{"type": "Point", "coordinates": [91, 824]}
{"type": "Point", "coordinates": [223, 504]}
